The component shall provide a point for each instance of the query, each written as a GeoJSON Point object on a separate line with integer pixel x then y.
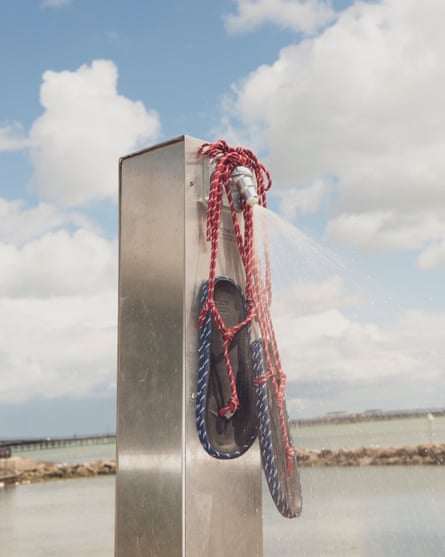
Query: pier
{"type": "Point", "coordinates": [8, 479]}
{"type": "Point", "coordinates": [20, 445]}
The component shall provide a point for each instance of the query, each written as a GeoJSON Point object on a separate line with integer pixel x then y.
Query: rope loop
{"type": "Point", "coordinates": [258, 291]}
{"type": "Point", "coordinates": [229, 410]}
{"type": "Point", "coordinates": [228, 335]}
{"type": "Point", "coordinates": [263, 378]}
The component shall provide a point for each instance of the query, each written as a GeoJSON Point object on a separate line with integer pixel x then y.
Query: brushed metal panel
{"type": "Point", "coordinates": [223, 511]}
{"type": "Point", "coordinates": [150, 394]}
{"type": "Point", "coordinates": [171, 497]}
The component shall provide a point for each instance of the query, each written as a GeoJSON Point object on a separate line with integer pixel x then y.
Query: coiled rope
{"type": "Point", "coordinates": [258, 291]}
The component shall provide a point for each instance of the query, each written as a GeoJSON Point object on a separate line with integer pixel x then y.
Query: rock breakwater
{"type": "Point", "coordinates": [25, 470]}
{"type": "Point", "coordinates": [433, 454]}
{"type": "Point", "coordinates": [29, 471]}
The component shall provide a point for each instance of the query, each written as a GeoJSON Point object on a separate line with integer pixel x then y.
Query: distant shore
{"type": "Point", "coordinates": [339, 418]}
{"type": "Point", "coordinates": [431, 454]}
{"type": "Point", "coordinates": [21, 470]}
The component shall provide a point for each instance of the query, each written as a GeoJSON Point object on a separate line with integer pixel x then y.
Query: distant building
{"type": "Point", "coordinates": [336, 413]}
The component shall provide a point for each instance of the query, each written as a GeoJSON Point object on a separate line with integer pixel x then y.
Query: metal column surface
{"type": "Point", "coordinates": [172, 498]}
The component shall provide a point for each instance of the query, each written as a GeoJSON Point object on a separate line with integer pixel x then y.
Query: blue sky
{"type": "Point", "coordinates": [341, 100]}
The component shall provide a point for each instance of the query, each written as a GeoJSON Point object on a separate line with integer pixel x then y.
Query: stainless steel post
{"type": "Point", "coordinates": [172, 498]}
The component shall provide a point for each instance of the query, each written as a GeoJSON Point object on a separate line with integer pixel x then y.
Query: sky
{"type": "Point", "coordinates": [343, 102]}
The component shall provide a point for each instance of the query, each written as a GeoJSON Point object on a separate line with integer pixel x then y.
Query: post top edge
{"type": "Point", "coordinates": [178, 139]}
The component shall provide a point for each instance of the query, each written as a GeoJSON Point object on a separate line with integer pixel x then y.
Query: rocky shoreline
{"type": "Point", "coordinates": [23, 470]}
{"type": "Point", "coordinates": [432, 454]}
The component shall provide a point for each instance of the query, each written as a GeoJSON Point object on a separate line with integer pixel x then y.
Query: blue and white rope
{"type": "Point", "coordinates": [203, 380]}
{"type": "Point", "coordinates": [268, 452]}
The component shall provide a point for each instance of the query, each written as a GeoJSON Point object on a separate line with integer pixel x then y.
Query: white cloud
{"type": "Point", "coordinates": [433, 256]}
{"type": "Point", "coordinates": [12, 138]}
{"type": "Point", "coordinates": [383, 231]}
{"type": "Point", "coordinates": [58, 302]}
{"type": "Point", "coordinates": [305, 16]}
{"type": "Point", "coordinates": [305, 200]}
{"type": "Point", "coordinates": [55, 3]}
{"type": "Point", "coordinates": [64, 346]}
{"type": "Point", "coordinates": [58, 274]}
{"type": "Point", "coordinates": [86, 126]}
{"type": "Point", "coordinates": [360, 102]}
{"type": "Point", "coordinates": [342, 345]}
{"type": "Point", "coordinates": [19, 223]}
{"type": "Point", "coordinates": [402, 361]}
{"type": "Point", "coordinates": [58, 264]}
{"type": "Point", "coordinates": [306, 298]}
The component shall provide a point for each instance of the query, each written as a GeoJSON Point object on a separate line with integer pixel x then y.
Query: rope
{"type": "Point", "coordinates": [258, 291]}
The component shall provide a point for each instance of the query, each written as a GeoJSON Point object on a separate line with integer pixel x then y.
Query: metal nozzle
{"type": "Point", "coordinates": [243, 181]}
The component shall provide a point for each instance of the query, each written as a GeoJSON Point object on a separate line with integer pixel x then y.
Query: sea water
{"type": "Point", "coordinates": [70, 518]}
{"type": "Point", "coordinates": [374, 511]}
{"type": "Point", "coordinates": [359, 512]}
{"type": "Point", "coordinates": [362, 512]}
{"type": "Point", "coordinates": [383, 433]}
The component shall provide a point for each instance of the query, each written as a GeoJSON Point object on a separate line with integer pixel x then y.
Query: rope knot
{"type": "Point", "coordinates": [263, 378]}
{"type": "Point", "coordinates": [228, 335]}
{"type": "Point", "coordinates": [229, 410]}
{"type": "Point", "coordinates": [207, 306]}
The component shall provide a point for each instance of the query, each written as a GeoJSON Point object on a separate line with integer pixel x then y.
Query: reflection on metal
{"type": "Point", "coordinates": [172, 499]}
{"type": "Point", "coordinates": [242, 180]}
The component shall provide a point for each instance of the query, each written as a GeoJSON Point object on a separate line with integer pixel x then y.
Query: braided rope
{"type": "Point", "coordinates": [258, 291]}
{"type": "Point", "coordinates": [202, 386]}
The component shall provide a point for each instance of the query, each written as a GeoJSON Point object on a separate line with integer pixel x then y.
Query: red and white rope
{"type": "Point", "coordinates": [258, 291]}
